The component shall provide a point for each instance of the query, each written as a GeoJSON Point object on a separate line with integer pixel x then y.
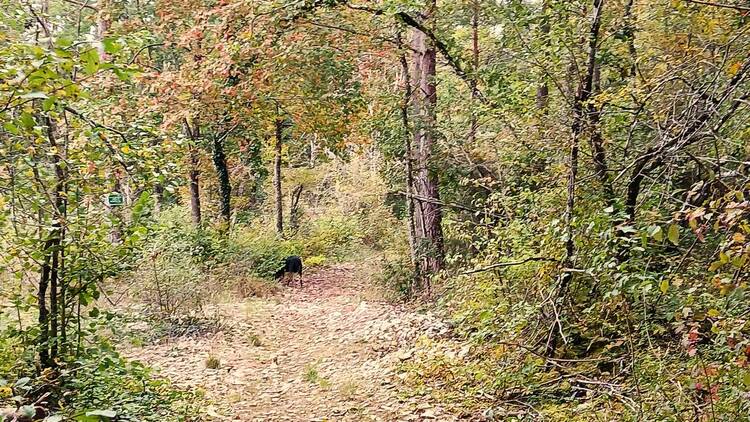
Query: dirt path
{"type": "Point", "coordinates": [320, 353]}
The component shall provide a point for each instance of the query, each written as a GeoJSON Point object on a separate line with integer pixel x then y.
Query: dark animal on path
{"type": "Point", "coordinates": [292, 265]}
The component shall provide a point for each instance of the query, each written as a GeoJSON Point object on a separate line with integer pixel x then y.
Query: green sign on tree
{"type": "Point", "coordinates": [115, 199]}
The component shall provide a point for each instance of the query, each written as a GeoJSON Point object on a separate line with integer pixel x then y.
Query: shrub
{"type": "Point", "coordinates": [212, 362]}
{"type": "Point", "coordinates": [397, 276]}
{"type": "Point", "coordinates": [315, 261]}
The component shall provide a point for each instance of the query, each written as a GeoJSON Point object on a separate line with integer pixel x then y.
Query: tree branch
{"type": "Point", "coordinates": [722, 5]}
{"type": "Point", "coordinates": [509, 264]}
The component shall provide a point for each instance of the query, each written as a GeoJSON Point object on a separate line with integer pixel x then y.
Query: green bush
{"type": "Point", "coordinates": [261, 252]}
{"type": "Point", "coordinates": [397, 276]}
{"type": "Point", "coordinates": [110, 383]}
{"type": "Point", "coordinates": [331, 236]}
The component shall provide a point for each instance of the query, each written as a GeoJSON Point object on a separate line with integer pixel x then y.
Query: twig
{"type": "Point", "coordinates": [722, 5]}
{"type": "Point", "coordinates": [420, 198]}
{"type": "Point", "coordinates": [510, 264]}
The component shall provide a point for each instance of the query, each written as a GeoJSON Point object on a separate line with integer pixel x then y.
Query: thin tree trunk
{"type": "Point", "coordinates": [597, 142]}
{"type": "Point", "coordinates": [194, 173]}
{"type": "Point", "coordinates": [408, 157]}
{"type": "Point", "coordinates": [475, 68]}
{"type": "Point", "coordinates": [277, 177]}
{"type": "Point", "coordinates": [313, 150]}
{"type": "Point", "coordinates": [585, 89]}
{"type": "Point", "coordinates": [542, 91]}
{"type": "Point", "coordinates": [629, 32]}
{"type": "Point", "coordinates": [426, 181]}
{"type": "Point", "coordinates": [58, 197]}
{"type": "Point", "coordinates": [43, 341]}
{"type": "Point", "coordinates": [294, 211]}
{"type": "Point", "coordinates": [225, 187]}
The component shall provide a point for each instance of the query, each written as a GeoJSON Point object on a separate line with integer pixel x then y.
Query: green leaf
{"type": "Point", "coordinates": [64, 42]}
{"type": "Point", "coordinates": [656, 233]}
{"type": "Point", "coordinates": [11, 128]}
{"type": "Point", "coordinates": [674, 234]}
{"type": "Point", "coordinates": [713, 313]}
{"type": "Point", "coordinates": [715, 266]}
{"type": "Point", "coordinates": [27, 120]}
{"type": "Point", "coordinates": [90, 61]}
{"type": "Point", "coordinates": [49, 103]}
{"type": "Point", "coordinates": [739, 261]}
{"type": "Point", "coordinates": [746, 379]}
{"type": "Point", "coordinates": [22, 382]}
{"type": "Point", "coordinates": [27, 411]}
{"type": "Point", "coordinates": [111, 46]}
{"type": "Point", "coordinates": [110, 414]}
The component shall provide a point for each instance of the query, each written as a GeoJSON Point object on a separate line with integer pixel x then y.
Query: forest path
{"type": "Point", "coordinates": [323, 352]}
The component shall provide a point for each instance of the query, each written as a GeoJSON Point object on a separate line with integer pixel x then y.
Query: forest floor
{"type": "Point", "coordinates": [329, 351]}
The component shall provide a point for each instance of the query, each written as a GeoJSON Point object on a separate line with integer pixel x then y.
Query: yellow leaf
{"type": "Point", "coordinates": [664, 286]}
{"type": "Point", "coordinates": [734, 68]}
{"type": "Point", "coordinates": [713, 313]}
{"type": "Point", "coordinates": [674, 234]}
{"type": "Point", "coordinates": [125, 149]}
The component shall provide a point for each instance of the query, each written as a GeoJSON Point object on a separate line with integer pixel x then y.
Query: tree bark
{"type": "Point", "coordinates": [409, 176]}
{"type": "Point", "coordinates": [277, 177]}
{"type": "Point", "coordinates": [225, 187]}
{"type": "Point", "coordinates": [294, 211]}
{"type": "Point", "coordinates": [427, 181]}
{"type": "Point", "coordinates": [194, 173]}
{"type": "Point", "coordinates": [43, 320]}
{"type": "Point", "coordinates": [58, 197]}
{"type": "Point", "coordinates": [542, 91]}
{"type": "Point", "coordinates": [475, 68]}
{"type": "Point", "coordinates": [597, 142]}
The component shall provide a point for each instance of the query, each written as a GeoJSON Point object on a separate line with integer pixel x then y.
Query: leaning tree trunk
{"type": "Point", "coordinates": [225, 187]}
{"type": "Point", "coordinates": [426, 181]}
{"type": "Point", "coordinates": [277, 177]}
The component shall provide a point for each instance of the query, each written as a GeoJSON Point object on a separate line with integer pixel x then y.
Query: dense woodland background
{"type": "Point", "coordinates": [565, 181]}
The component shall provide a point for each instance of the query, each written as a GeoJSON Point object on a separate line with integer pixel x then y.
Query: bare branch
{"type": "Point", "coordinates": [510, 264]}
{"type": "Point", "coordinates": [722, 5]}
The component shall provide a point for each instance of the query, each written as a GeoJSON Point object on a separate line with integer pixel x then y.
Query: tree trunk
{"type": "Point", "coordinates": [542, 91]}
{"type": "Point", "coordinates": [475, 69]}
{"type": "Point", "coordinates": [426, 181]}
{"type": "Point", "coordinates": [225, 187]}
{"type": "Point", "coordinates": [585, 89]}
{"type": "Point", "coordinates": [277, 177]}
{"type": "Point", "coordinates": [194, 174]}
{"type": "Point", "coordinates": [43, 340]}
{"type": "Point", "coordinates": [409, 177]}
{"type": "Point", "coordinates": [294, 210]}
{"type": "Point", "coordinates": [313, 150]}
{"type": "Point", "coordinates": [58, 196]}
{"type": "Point", "coordinates": [597, 142]}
